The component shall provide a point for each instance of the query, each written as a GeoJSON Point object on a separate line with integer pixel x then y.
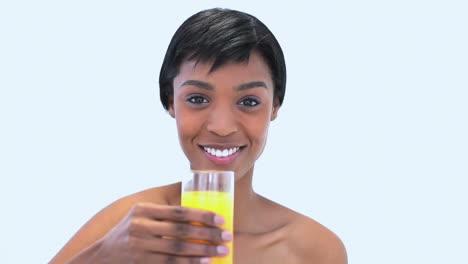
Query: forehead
{"type": "Point", "coordinates": [232, 73]}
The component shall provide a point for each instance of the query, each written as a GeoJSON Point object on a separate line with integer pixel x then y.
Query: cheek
{"type": "Point", "coordinates": [258, 128]}
{"type": "Point", "coordinates": [187, 125]}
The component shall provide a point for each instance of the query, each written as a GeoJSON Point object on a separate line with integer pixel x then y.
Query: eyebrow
{"type": "Point", "coordinates": [199, 84]}
{"type": "Point", "coordinates": [251, 85]}
{"type": "Point", "coordinates": [242, 87]}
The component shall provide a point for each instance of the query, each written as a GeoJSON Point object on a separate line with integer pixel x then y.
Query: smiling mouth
{"type": "Point", "coordinates": [222, 152]}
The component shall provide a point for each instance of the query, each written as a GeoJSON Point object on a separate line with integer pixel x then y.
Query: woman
{"type": "Point", "coordinates": [223, 80]}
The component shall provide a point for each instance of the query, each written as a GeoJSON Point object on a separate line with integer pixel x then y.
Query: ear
{"type": "Point", "coordinates": [276, 107]}
{"type": "Point", "coordinates": [170, 104]}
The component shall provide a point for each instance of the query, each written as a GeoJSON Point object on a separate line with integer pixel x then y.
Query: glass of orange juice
{"type": "Point", "coordinates": [213, 191]}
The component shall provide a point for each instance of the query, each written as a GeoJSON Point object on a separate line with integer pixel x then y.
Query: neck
{"type": "Point", "coordinates": [245, 204]}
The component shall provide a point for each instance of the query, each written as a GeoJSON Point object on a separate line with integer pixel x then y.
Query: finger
{"type": "Point", "coordinates": [179, 229]}
{"type": "Point", "coordinates": [177, 213]}
{"type": "Point", "coordinates": [178, 247]}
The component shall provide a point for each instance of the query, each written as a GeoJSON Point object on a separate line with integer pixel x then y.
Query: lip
{"type": "Point", "coordinates": [222, 160]}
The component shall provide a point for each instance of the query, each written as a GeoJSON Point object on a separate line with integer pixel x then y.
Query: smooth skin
{"type": "Point", "coordinates": [231, 106]}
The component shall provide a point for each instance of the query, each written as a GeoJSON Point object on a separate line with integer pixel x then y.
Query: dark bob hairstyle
{"type": "Point", "coordinates": [224, 36]}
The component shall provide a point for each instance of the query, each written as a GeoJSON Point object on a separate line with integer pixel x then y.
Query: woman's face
{"type": "Point", "coordinates": [223, 116]}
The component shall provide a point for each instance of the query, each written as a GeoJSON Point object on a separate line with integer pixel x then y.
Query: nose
{"type": "Point", "coordinates": [222, 121]}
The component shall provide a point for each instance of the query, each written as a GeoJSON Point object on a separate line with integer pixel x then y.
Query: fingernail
{"type": "Point", "coordinates": [222, 250]}
{"type": "Point", "coordinates": [226, 235]}
{"type": "Point", "coordinates": [205, 261]}
{"type": "Point", "coordinates": [219, 220]}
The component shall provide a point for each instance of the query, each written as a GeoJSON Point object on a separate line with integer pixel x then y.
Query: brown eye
{"type": "Point", "coordinates": [249, 102]}
{"type": "Point", "coordinates": [197, 99]}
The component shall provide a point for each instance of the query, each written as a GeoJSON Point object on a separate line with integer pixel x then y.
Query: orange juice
{"type": "Point", "coordinates": [221, 203]}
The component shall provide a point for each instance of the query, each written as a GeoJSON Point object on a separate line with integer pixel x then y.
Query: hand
{"type": "Point", "coordinates": [152, 233]}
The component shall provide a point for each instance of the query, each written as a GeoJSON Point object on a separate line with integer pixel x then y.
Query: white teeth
{"type": "Point", "coordinates": [221, 153]}
{"type": "Point", "coordinates": [212, 152]}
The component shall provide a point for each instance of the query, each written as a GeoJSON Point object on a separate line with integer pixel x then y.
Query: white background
{"type": "Point", "coordinates": [371, 140]}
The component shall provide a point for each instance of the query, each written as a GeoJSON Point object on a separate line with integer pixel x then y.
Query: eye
{"type": "Point", "coordinates": [249, 102]}
{"type": "Point", "coordinates": [197, 99]}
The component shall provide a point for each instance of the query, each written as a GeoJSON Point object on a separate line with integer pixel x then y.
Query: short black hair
{"type": "Point", "coordinates": [222, 35]}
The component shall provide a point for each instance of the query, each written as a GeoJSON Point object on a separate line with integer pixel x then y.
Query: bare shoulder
{"type": "Point", "coordinates": [101, 223]}
{"type": "Point", "coordinates": [313, 241]}
{"type": "Point", "coordinates": [113, 213]}
{"type": "Point", "coordinates": [308, 240]}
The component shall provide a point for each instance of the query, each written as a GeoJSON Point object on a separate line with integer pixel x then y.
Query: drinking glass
{"type": "Point", "coordinates": [214, 191]}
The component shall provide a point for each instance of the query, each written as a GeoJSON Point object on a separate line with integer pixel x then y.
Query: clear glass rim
{"type": "Point", "coordinates": [209, 180]}
{"type": "Point", "coordinates": [212, 171]}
